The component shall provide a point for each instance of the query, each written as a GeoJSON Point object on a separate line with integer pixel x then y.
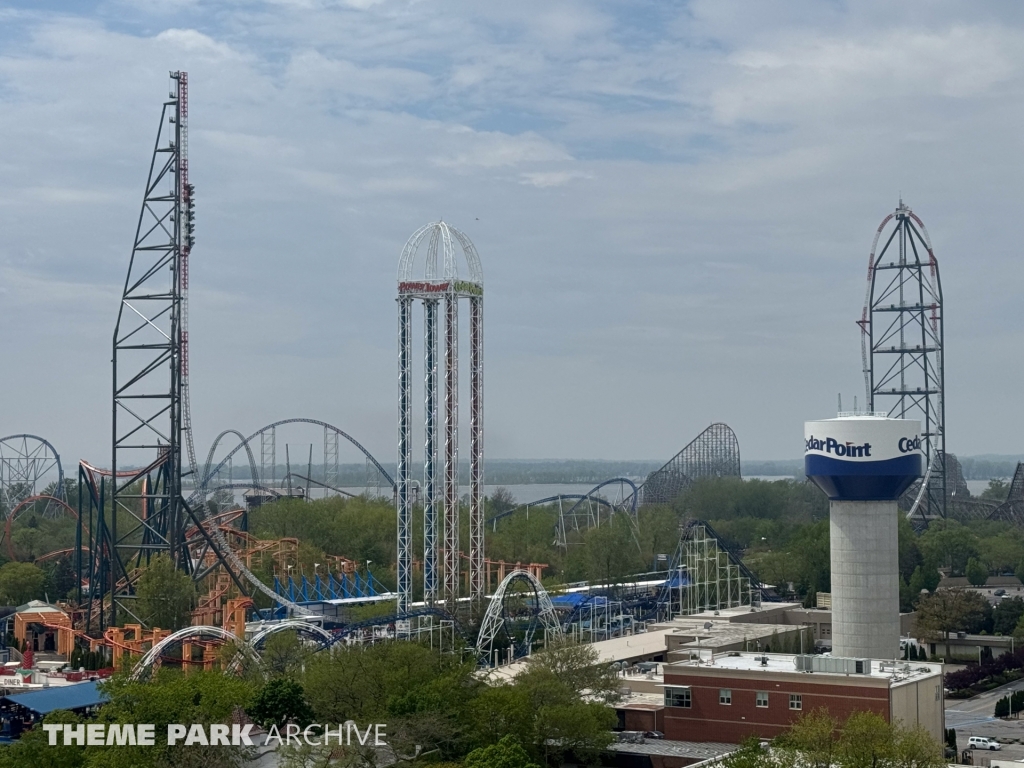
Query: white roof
{"type": "Point", "coordinates": [786, 662]}
{"type": "Point", "coordinates": [608, 651]}
{"type": "Point", "coordinates": [38, 606]}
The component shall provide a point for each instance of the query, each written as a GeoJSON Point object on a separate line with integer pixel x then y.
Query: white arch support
{"type": "Point", "coordinates": [493, 622]}
{"type": "Point", "coordinates": [152, 657]}
{"type": "Point", "coordinates": [312, 631]}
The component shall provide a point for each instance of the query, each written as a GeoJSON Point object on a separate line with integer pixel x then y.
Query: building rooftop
{"type": "Point", "coordinates": [774, 663]}
{"type": "Point", "coordinates": [703, 750]}
{"type": "Point", "coordinates": [742, 612]}
{"type": "Point", "coordinates": [689, 633]}
{"type": "Point", "coordinates": [38, 606]}
{"type": "Point", "coordinates": [72, 697]}
{"type": "Point", "coordinates": [641, 700]}
{"type": "Point", "coordinates": [636, 647]}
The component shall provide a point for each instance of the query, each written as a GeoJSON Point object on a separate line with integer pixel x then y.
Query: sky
{"type": "Point", "coordinates": [673, 203]}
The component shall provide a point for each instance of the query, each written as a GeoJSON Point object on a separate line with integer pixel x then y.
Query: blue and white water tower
{"type": "Point", "coordinates": [863, 463]}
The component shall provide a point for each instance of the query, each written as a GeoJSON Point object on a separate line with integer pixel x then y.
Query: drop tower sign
{"type": "Point", "coordinates": [863, 463]}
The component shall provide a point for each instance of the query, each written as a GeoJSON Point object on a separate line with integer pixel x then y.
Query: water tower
{"type": "Point", "coordinates": [863, 462]}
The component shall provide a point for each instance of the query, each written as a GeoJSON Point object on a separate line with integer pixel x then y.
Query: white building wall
{"type": "Point", "coordinates": [920, 702]}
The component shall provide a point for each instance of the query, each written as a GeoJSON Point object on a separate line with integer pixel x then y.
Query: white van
{"type": "Point", "coordinates": [981, 742]}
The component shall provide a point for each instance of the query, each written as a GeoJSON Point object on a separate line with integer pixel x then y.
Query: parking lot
{"type": "Point", "coordinates": [973, 717]}
{"type": "Point", "coordinates": [1008, 591]}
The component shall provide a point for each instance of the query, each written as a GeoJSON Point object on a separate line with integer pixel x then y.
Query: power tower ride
{"type": "Point", "coordinates": [441, 556]}
{"type": "Point", "coordinates": [902, 346]}
{"type": "Point", "coordinates": [150, 414]}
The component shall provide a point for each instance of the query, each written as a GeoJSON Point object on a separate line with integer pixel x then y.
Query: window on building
{"type": "Point", "coordinates": [677, 697]}
{"type": "Point", "coordinates": [725, 696]}
{"type": "Point", "coordinates": [762, 698]}
{"type": "Point", "coordinates": [796, 701]}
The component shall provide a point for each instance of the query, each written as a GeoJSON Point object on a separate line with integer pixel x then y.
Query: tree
{"type": "Point", "coordinates": [1016, 702]}
{"type": "Point", "coordinates": [358, 528]}
{"type": "Point", "coordinates": [611, 551]}
{"type": "Point", "coordinates": [813, 739]}
{"type": "Point", "coordinates": [503, 710]}
{"type": "Point", "coordinates": [20, 582]}
{"type": "Point", "coordinates": [284, 654]}
{"type": "Point", "coordinates": [923, 578]}
{"type": "Point", "coordinates": [998, 489]}
{"type": "Point", "coordinates": [545, 715]}
{"type": "Point", "coordinates": [171, 697]}
{"type": "Point", "coordinates": [32, 750]}
{"type": "Point", "coordinates": [867, 741]}
{"type": "Point", "coordinates": [751, 754]}
{"type": "Point", "coordinates": [1007, 614]}
{"type": "Point", "coordinates": [578, 666]}
{"type": "Point", "coordinates": [61, 578]}
{"type": "Point", "coordinates": [1003, 707]}
{"type": "Point", "coordinates": [953, 610]}
{"type": "Point", "coordinates": [166, 595]}
{"type": "Point", "coordinates": [507, 753]}
{"type": "Point", "coordinates": [427, 697]}
{"type": "Point", "coordinates": [910, 557]}
{"type": "Point", "coordinates": [578, 728]}
{"type": "Point", "coordinates": [280, 700]}
{"type": "Point", "coordinates": [811, 548]}
{"type": "Point", "coordinates": [777, 568]}
{"type": "Point", "coordinates": [915, 748]}
{"type": "Point", "coordinates": [501, 500]}
{"type": "Point", "coordinates": [948, 543]}
{"type": "Point", "coordinates": [976, 572]}
{"type": "Point", "coordinates": [1002, 550]}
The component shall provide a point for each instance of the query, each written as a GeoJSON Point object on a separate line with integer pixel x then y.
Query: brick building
{"type": "Point", "coordinates": [728, 698]}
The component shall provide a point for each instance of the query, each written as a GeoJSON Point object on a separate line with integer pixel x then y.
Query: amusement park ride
{"type": "Point", "coordinates": [145, 504]}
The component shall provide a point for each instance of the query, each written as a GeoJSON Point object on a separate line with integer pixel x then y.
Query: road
{"type": "Point", "coordinates": [973, 717]}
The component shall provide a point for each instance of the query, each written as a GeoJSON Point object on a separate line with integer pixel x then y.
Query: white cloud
{"type": "Point", "coordinates": [692, 191]}
{"type": "Point", "coordinates": [492, 149]}
{"type": "Point", "coordinates": [842, 76]}
{"type": "Point", "coordinates": [542, 179]}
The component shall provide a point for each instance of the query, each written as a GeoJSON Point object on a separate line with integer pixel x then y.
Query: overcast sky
{"type": "Point", "coordinates": [673, 203]}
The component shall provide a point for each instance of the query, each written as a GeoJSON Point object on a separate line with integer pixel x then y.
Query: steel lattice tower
{"type": "Point", "coordinates": [441, 556]}
{"type": "Point", "coordinates": [150, 420]}
{"type": "Point", "coordinates": [902, 345]}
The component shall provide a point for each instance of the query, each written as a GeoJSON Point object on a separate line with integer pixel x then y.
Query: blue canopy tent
{"type": "Point", "coordinates": [71, 697]}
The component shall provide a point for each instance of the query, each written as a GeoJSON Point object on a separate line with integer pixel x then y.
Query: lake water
{"type": "Point", "coordinates": [528, 493]}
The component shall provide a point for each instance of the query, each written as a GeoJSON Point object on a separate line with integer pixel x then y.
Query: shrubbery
{"type": "Point", "coordinates": [983, 677]}
{"type": "Point", "coordinates": [1010, 705]}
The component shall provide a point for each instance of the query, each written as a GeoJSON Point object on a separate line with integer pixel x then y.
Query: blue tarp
{"type": "Point", "coordinates": [677, 581]}
{"type": "Point", "coordinates": [575, 599]}
{"type": "Point", "coordinates": [75, 696]}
